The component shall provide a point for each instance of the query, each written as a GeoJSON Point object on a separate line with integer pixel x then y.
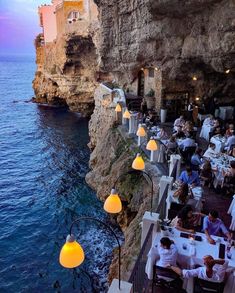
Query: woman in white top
{"type": "Point", "coordinates": [211, 152]}
{"type": "Point", "coordinates": [168, 253]}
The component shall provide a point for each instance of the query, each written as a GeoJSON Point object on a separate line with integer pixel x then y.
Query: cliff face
{"type": "Point", "coordinates": [66, 73]}
{"type": "Point", "coordinates": [182, 38]}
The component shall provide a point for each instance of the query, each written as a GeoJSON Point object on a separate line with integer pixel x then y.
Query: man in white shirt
{"type": "Point", "coordinates": [214, 270]}
{"type": "Point", "coordinates": [168, 253]}
{"type": "Point", "coordinates": [187, 142]}
{"type": "Point", "coordinates": [179, 122]}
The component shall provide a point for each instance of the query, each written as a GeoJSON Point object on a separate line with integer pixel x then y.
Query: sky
{"type": "Point", "coordinates": [19, 24]}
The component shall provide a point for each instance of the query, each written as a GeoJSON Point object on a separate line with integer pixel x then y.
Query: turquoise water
{"type": "Point", "coordinates": [43, 162]}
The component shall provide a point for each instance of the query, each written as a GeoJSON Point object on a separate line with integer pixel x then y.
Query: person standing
{"type": "Point", "coordinates": [190, 111]}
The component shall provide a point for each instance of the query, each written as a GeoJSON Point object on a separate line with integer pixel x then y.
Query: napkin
{"type": "Point", "coordinates": [192, 250]}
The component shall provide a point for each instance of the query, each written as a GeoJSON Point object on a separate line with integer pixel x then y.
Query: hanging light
{"type": "Point", "coordinates": [71, 254]}
{"type": "Point", "coordinates": [227, 71]}
{"type": "Point", "coordinates": [126, 114]}
{"type": "Point", "coordinates": [138, 163]}
{"type": "Point", "coordinates": [113, 203]}
{"type": "Point", "coordinates": [141, 131]}
{"type": "Point", "coordinates": [194, 78]}
{"type": "Point", "coordinates": [152, 145]}
{"type": "Point", "coordinates": [118, 108]}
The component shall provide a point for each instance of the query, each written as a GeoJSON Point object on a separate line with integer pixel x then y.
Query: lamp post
{"type": "Point", "coordinates": [110, 207]}
{"type": "Point", "coordinates": [72, 254]}
{"type": "Point", "coordinates": [152, 146]}
{"type": "Point", "coordinates": [141, 133]}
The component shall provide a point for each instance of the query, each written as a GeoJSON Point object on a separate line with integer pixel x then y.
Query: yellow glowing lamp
{"type": "Point", "coordinates": [71, 254]}
{"type": "Point", "coordinates": [152, 145]}
{"type": "Point", "coordinates": [113, 203]}
{"type": "Point", "coordinates": [126, 114]}
{"type": "Point", "coordinates": [138, 163]}
{"type": "Point", "coordinates": [118, 108]}
{"type": "Point", "coordinates": [141, 131]}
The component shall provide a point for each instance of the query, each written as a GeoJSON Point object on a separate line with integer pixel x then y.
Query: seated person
{"type": "Point", "coordinates": [181, 193]}
{"type": "Point", "coordinates": [209, 120]}
{"type": "Point", "coordinates": [217, 132]}
{"type": "Point", "coordinates": [171, 144]}
{"type": "Point", "coordinates": [167, 251]}
{"type": "Point", "coordinates": [186, 220]}
{"type": "Point", "coordinates": [232, 152]}
{"type": "Point", "coordinates": [179, 133]}
{"type": "Point", "coordinates": [187, 142]}
{"type": "Point", "coordinates": [217, 123]}
{"type": "Point", "coordinates": [230, 130]}
{"type": "Point", "coordinates": [230, 142]}
{"type": "Point", "coordinates": [162, 134]}
{"type": "Point", "coordinates": [196, 159]}
{"type": "Point", "coordinates": [206, 173]}
{"type": "Point", "coordinates": [212, 225]}
{"type": "Point", "coordinates": [179, 122]}
{"type": "Point", "coordinates": [213, 270]}
{"type": "Point", "coordinates": [211, 152]}
{"type": "Point", "coordinates": [231, 171]}
{"type": "Point", "coordinates": [189, 177]}
{"type": "Point", "coordinates": [188, 128]}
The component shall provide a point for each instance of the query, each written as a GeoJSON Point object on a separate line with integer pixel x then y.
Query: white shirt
{"type": "Point", "coordinates": [217, 276]}
{"type": "Point", "coordinates": [210, 153]}
{"type": "Point", "coordinates": [187, 142]}
{"type": "Point", "coordinates": [179, 122]}
{"type": "Point", "coordinates": [208, 121]}
{"type": "Point", "coordinates": [230, 141]}
{"type": "Point", "coordinates": [167, 256]}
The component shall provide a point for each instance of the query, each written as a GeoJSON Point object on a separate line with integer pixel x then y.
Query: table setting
{"type": "Point", "coordinates": [219, 142]}
{"type": "Point", "coordinates": [191, 250]}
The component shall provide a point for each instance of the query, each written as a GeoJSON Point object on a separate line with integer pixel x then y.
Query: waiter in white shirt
{"type": "Point", "coordinates": [187, 142]}
{"type": "Point", "coordinates": [214, 270]}
{"type": "Point", "coordinates": [190, 111]}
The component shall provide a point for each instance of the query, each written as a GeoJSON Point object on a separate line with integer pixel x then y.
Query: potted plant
{"type": "Point", "coordinates": [150, 99]}
{"type": "Point", "coordinates": [163, 114]}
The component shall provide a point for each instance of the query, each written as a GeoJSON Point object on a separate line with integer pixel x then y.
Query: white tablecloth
{"type": "Point", "coordinates": [226, 113]}
{"type": "Point", "coordinates": [231, 211]}
{"type": "Point", "coordinates": [197, 193]}
{"type": "Point", "coordinates": [206, 129]}
{"type": "Point", "coordinates": [219, 143]}
{"type": "Point", "coordinates": [191, 256]}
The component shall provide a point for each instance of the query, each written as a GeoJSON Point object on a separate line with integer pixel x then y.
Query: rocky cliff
{"type": "Point", "coordinates": [67, 72]}
{"type": "Point", "coordinates": [182, 38]}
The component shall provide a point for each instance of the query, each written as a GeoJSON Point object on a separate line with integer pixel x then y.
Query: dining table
{"type": "Point", "coordinates": [220, 164]}
{"type": "Point", "coordinates": [191, 253]}
{"type": "Point", "coordinates": [196, 194]}
{"type": "Point", "coordinates": [219, 142]}
{"type": "Point", "coordinates": [205, 131]}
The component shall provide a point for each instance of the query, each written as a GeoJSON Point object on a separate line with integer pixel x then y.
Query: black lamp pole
{"type": "Point", "coordinates": [144, 173]}
{"type": "Point", "coordinates": [111, 230]}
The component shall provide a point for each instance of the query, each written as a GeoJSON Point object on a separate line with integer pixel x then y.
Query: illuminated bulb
{"type": "Point", "coordinates": [156, 68]}
{"type": "Point", "coordinates": [194, 78]}
{"type": "Point", "coordinates": [142, 68]}
{"type": "Point", "coordinates": [71, 254]}
{"type": "Point", "coordinates": [152, 145]}
{"type": "Point", "coordinates": [118, 108]}
{"type": "Point", "coordinates": [113, 203]}
{"type": "Point", "coordinates": [227, 71]}
{"type": "Point", "coordinates": [138, 163]}
{"type": "Point", "coordinates": [126, 114]}
{"type": "Point", "coordinates": [197, 99]}
{"type": "Point", "coordinates": [141, 131]}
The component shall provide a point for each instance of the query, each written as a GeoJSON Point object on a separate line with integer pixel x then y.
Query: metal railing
{"type": "Point", "coordinates": [138, 277]}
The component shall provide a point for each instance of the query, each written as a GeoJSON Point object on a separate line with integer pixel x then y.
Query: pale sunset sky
{"type": "Point", "coordinates": [19, 24]}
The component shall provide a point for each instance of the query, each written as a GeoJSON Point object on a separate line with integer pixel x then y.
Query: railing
{"type": "Point", "coordinates": [138, 277]}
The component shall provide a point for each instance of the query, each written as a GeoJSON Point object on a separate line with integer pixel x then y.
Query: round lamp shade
{"type": "Point", "coordinates": [113, 203]}
{"type": "Point", "coordinates": [152, 145]}
{"type": "Point", "coordinates": [118, 108]}
{"type": "Point", "coordinates": [71, 254]}
{"type": "Point", "coordinates": [138, 163]}
{"type": "Point", "coordinates": [141, 131]}
{"type": "Point", "coordinates": [126, 114]}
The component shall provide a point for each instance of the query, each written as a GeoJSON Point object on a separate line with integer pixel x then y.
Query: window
{"type": "Point", "coordinates": [151, 72]}
{"type": "Point", "coordinates": [73, 15]}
